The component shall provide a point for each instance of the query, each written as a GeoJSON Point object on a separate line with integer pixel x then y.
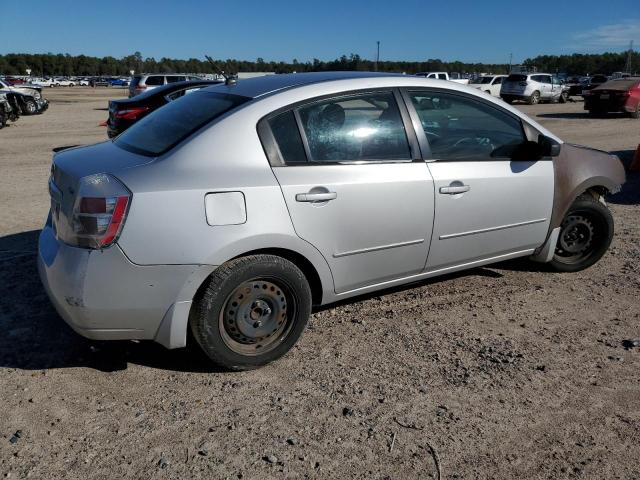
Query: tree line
{"type": "Point", "coordinates": [49, 64]}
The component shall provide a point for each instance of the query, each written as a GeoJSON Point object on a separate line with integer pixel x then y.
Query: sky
{"type": "Point", "coordinates": [469, 31]}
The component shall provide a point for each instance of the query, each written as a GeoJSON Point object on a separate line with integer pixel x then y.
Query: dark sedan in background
{"type": "Point", "coordinates": [126, 112]}
{"type": "Point", "coordinates": [621, 95]}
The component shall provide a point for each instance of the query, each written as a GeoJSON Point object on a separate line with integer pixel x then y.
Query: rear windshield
{"type": "Point", "coordinates": [622, 85]}
{"type": "Point", "coordinates": [169, 125]}
{"type": "Point", "coordinates": [517, 78]}
{"type": "Point", "coordinates": [135, 80]}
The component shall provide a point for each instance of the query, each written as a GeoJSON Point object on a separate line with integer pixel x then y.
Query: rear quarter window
{"type": "Point", "coordinates": [155, 80]}
{"type": "Point", "coordinates": [160, 131]}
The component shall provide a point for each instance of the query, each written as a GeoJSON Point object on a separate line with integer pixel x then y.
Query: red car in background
{"type": "Point", "coordinates": [14, 81]}
{"type": "Point", "coordinates": [620, 95]}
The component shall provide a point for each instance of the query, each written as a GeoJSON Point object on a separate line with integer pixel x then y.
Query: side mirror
{"type": "Point", "coordinates": [549, 147]}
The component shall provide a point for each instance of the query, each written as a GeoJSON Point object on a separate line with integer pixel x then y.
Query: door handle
{"type": "Point", "coordinates": [316, 197]}
{"type": "Point", "coordinates": [452, 190]}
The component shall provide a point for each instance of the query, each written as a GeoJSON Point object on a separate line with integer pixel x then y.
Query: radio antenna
{"type": "Point", "coordinates": [229, 78]}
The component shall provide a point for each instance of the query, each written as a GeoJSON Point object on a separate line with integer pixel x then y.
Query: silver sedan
{"type": "Point", "coordinates": [233, 210]}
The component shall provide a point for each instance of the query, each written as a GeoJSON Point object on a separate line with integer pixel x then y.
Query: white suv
{"type": "Point", "coordinates": [142, 83]}
{"type": "Point", "coordinates": [532, 88]}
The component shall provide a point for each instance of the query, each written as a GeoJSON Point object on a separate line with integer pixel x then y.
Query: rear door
{"type": "Point", "coordinates": [355, 186]}
{"type": "Point", "coordinates": [546, 87]}
{"type": "Point", "coordinates": [487, 206]}
{"type": "Point", "coordinates": [495, 86]}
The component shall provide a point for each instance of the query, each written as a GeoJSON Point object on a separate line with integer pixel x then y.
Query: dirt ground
{"type": "Point", "coordinates": [503, 372]}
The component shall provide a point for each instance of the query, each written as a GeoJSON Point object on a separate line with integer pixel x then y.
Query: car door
{"type": "Point", "coordinates": [547, 87]}
{"type": "Point", "coordinates": [495, 86]}
{"type": "Point", "coordinates": [355, 186]}
{"type": "Point", "coordinates": [487, 206]}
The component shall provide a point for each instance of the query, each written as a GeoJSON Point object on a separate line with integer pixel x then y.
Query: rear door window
{"type": "Point", "coordinates": [366, 127]}
{"type": "Point", "coordinates": [155, 80]}
{"type": "Point", "coordinates": [166, 127]}
{"type": "Point", "coordinates": [175, 78]}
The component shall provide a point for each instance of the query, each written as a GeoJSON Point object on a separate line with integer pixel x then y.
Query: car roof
{"type": "Point", "coordinates": [264, 85]}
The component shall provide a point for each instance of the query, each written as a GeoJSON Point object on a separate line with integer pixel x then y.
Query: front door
{"type": "Point", "coordinates": [487, 206]}
{"type": "Point", "coordinates": [355, 188]}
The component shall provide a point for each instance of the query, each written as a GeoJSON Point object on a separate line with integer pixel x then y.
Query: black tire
{"type": "Point", "coordinates": [3, 117]}
{"type": "Point", "coordinates": [636, 114]}
{"type": "Point", "coordinates": [508, 100]}
{"type": "Point", "coordinates": [30, 107]}
{"type": "Point", "coordinates": [585, 235]}
{"type": "Point", "coordinates": [564, 96]}
{"type": "Point", "coordinates": [251, 312]}
{"type": "Point", "coordinates": [534, 99]}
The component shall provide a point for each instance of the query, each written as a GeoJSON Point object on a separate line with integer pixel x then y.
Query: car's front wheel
{"type": "Point", "coordinates": [585, 235]}
{"type": "Point", "coordinates": [29, 107]}
{"type": "Point", "coordinates": [251, 312]}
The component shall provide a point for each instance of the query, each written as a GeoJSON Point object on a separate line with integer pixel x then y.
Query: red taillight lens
{"type": "Point", "coordinates": [140, 88]}
{"type": "Point", "coordinates": [130, 113]}
{"type": "Point", "coordinates": [99, 212]}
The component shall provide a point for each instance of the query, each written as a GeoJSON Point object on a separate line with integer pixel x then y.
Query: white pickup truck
{"type": "Point", "coordinates": [453, 77]}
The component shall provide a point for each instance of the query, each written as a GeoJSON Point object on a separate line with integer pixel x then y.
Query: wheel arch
{"type": "Point", "coordinates": [300, 261]}
{"type": "Point", "coordinates": [579, 170]}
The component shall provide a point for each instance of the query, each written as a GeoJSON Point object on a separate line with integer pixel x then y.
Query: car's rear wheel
{"type": "Point", "coordinates": [3, 117]}
{"type": "Point", "coordinates": [534, 99]}
{"type": "Point", "coordinates": [636, 113]}
{"type": "Point", "coordinates": [585, 235]}
{"type": "Point", "coordinates": [508, 100]}
{"type": "Point", "coordinates": [564, 97]}
{"type": "Point", "coordinates": [251, 312]}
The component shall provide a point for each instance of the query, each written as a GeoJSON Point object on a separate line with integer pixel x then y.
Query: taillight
{"type": "Point", "coordinates": [99, 212]}
{"type": "Point", "coordinates": [130, 113]}
{"type": "Point", "coordinates": [140, 88]}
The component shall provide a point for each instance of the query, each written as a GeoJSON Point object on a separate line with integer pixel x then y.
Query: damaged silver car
{"type": "Point", "coordinates": [234, 210]}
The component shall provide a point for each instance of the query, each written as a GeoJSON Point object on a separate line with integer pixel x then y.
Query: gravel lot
{"type": "Point", "coordinates": [503, 372]}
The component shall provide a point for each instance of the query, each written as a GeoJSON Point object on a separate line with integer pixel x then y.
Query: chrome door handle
{"type": "Point", "coordinates": [455, 189]}
{"type": "Point", "coordinates": [316, 197]}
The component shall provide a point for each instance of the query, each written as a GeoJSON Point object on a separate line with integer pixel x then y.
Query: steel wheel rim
{"type": "Point", "coordinates": [534, 98]}
{"type": "Point", "coordinates": [579, 238]}
{"type": "Point", "coordinates": [257, 316]}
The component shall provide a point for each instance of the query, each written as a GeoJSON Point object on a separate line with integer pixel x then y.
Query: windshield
{"type": "Point", "coordinates": [169, 125]}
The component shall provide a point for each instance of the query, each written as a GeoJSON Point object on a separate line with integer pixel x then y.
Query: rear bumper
{"type": "Point", "coordinates": [514, 96]}
{"type": "Point", "coordinates": [103, 296]}
{"type": "Point", "coordinates": [613, 105]}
